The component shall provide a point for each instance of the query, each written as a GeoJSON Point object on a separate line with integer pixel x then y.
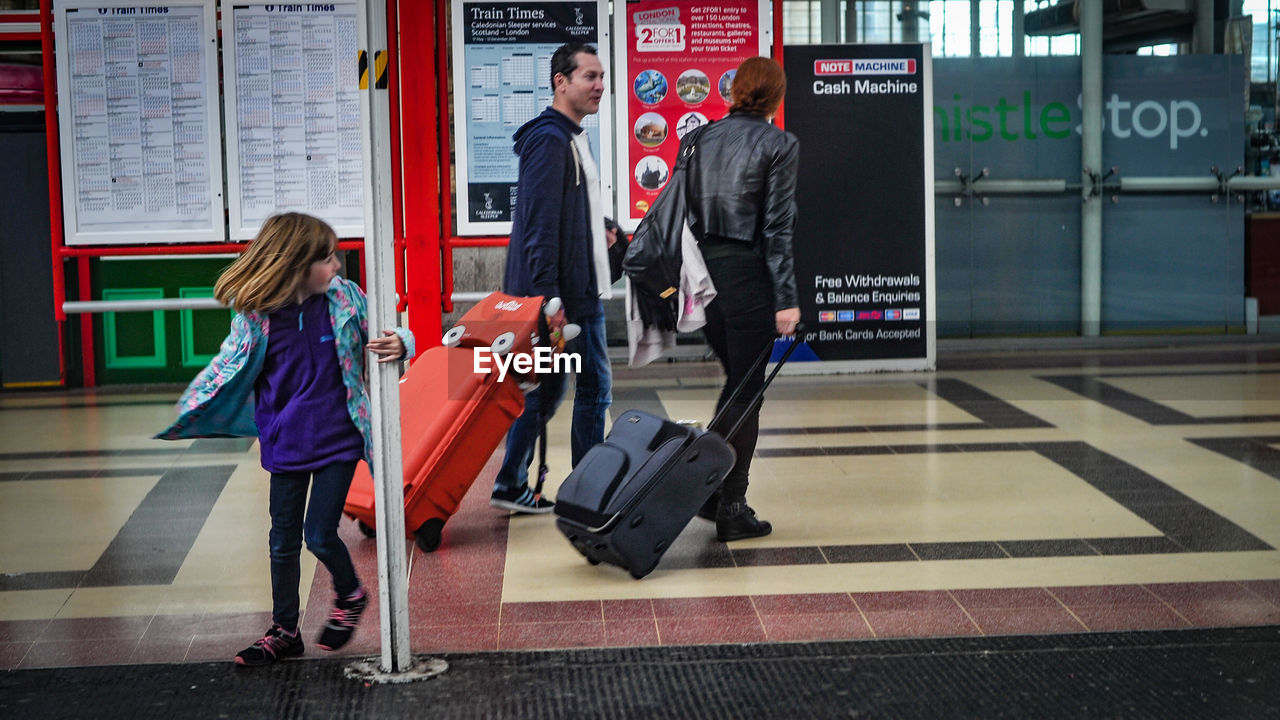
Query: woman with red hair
{"type": "Point", "coordinates": [742, 210]}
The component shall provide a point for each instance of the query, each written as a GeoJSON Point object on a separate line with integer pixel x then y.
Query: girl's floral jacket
{"type": "Point", "coordinates": [219, 402]}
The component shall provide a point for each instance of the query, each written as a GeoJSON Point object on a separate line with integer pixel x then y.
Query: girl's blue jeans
{"type": "Point", "coordinates": [293, 520]}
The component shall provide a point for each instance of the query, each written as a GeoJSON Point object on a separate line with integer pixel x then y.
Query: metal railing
{"type": "Point", "coordinates": [976, 187]}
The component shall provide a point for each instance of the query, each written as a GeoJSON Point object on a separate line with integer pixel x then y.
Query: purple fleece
{"type": "Point", "coordinates": [301, 404]}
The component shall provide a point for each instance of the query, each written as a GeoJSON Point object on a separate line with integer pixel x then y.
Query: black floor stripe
{"type": "Point", "coordinates": [1256, 452]}
{"type": "Point", "coordinates": [211, 446]}
{"type": "Point", "coordinates": [848, 429]}
{"type": "Point", "coordinates": [82, 474]}
{"type": "Point", "coordinates": [820, 451]}
{"type": "Point", "coordinates": [66, 454]}
{"type": "Point", "coordinates": [1124, 401]}
{"type": "Point", "coordinates": [201, 447]}
{"type": "Point", "coordinates": [1193, 373]}
{"type": "Point", "coordinates": [41, 580]}
{"type": "Point", "coordinates": [154, 542]}
{"type": "Point", "coordinates": [765, 557]}
{"type": "Point", "coordinates": [1149, 411]}
{"type": "Point", "coordinates": [1134, 546]}
{"type": "Point", "coordinates": [991, 410]}
{"type": "Point", "coordinates": [887, 552]}
{"type": "Point", "coordinates": [1180, 518]}
{"type": "Point", "coordinates": [1047, 548]}
{"type": "Point", "coordinates": [642, 399]}
{"type": "Point", "coordinates": [958, 550]}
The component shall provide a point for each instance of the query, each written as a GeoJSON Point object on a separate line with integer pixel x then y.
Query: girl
{"type": "Point", "coordinates": [291, 373]}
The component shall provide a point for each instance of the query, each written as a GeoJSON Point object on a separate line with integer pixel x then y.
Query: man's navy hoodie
{"type": "Point", "coordinates": [550, 250]}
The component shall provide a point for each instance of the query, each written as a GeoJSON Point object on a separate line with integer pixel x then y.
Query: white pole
{"type": "Point", "coordinates": [388, 474]}
{"type": "Point", "coordinates": [1091, 157]}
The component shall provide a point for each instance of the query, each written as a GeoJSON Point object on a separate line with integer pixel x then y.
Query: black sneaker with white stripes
{"type": "Point", "coordinates": [521, 500]}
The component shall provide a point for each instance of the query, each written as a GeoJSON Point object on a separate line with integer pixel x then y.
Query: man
{"type": "Point", "coordinates": [560, 248]}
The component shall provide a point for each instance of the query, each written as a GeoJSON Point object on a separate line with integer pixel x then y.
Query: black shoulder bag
{"type": "Point", "coordinates": [653, 257]}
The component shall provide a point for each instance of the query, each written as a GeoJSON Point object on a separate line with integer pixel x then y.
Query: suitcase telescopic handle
{"type": "Point", "coordinates": [759, 396]}
{"type": "Point", "coordinates": [545, 403]}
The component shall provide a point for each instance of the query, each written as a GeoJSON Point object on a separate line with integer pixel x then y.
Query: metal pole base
{"type": "Point", "coordinates": [370, 671]}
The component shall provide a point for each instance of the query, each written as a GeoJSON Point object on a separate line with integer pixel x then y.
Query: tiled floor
{"type": "Point", "coordinates": [1024, 492]}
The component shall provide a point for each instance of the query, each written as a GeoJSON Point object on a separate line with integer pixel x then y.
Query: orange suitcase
{"type": "Point", "coordinates": [453, 418]}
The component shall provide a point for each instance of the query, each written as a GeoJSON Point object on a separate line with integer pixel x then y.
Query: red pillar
{"type": "Point", "coordinates": [420, 163]}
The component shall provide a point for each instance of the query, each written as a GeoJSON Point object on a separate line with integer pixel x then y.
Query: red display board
{"type": "Point", "coordinates": [675, 72]}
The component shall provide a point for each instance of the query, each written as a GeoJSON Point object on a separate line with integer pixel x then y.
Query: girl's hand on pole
{"type": "Point", "coordinates": [389, 347]}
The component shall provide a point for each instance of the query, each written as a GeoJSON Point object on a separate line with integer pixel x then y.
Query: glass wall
{"type": "Point", "coordinates": [949, 25]}
{"type": "Point", "coordinates": [1263, 61]}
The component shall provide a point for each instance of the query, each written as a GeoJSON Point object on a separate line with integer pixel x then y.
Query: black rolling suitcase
{"type": "Point", "coordinates": [630, 496]}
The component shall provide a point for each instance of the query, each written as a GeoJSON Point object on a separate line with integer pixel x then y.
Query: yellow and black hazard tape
{"type": "Point", "coordinates": [379, 66]}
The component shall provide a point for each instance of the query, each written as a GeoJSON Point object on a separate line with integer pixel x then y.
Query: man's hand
{"type": "Point", "coordinates": [389, 347]}
{"type": "Point", "coordinates": [554, 310]}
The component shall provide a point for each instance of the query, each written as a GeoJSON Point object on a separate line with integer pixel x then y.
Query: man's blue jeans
{"type": "Point", "coordinates": [591, 400]}
{"type": "Point", "coordinates": [292, 519]}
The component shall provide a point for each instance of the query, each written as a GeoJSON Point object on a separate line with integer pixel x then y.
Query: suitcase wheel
{"type": "Point", "coordinates": [428, 536]}
{"type": "Point", "coordinates": [593, 561]}
{"type": "Point", "coordinates": [365, 530]}
{"type": "Point", "coordinates": [637, 574]}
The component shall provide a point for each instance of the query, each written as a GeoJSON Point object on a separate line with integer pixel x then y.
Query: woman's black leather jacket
{"type": "Point", "coordinates": [742, 186]}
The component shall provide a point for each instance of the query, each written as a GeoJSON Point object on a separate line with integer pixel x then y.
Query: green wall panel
{"type": "Point", "coordinates": [177, 343]}
{"type": "Point", "coordinates": [202, 330]}
{"type": "Point", "coordinates": [133, 339]}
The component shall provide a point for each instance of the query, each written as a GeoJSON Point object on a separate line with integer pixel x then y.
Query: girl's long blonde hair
{"type": "Point", "coordinates": [267, 275]}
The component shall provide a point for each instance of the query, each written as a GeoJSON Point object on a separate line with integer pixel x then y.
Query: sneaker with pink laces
{"type": "Point", "coordinates": [342, 621]}
{"type": "Point", "coordinates": [276, 644]}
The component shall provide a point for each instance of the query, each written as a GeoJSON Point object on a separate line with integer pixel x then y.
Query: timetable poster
{"type": "Point", "coordinates": [139, 136]}
{"type": "Point", "coordinates": [503, 80]}
{"type": "Point", "coordinates": [293, 123]}
{"type": "Point", "coordinates": [680, 59]}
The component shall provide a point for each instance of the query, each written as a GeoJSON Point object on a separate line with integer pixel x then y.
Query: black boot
{"type": "Point", "coordinates": [736, 521]}
{"type": "Point", "coordinates": [710, 507]}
